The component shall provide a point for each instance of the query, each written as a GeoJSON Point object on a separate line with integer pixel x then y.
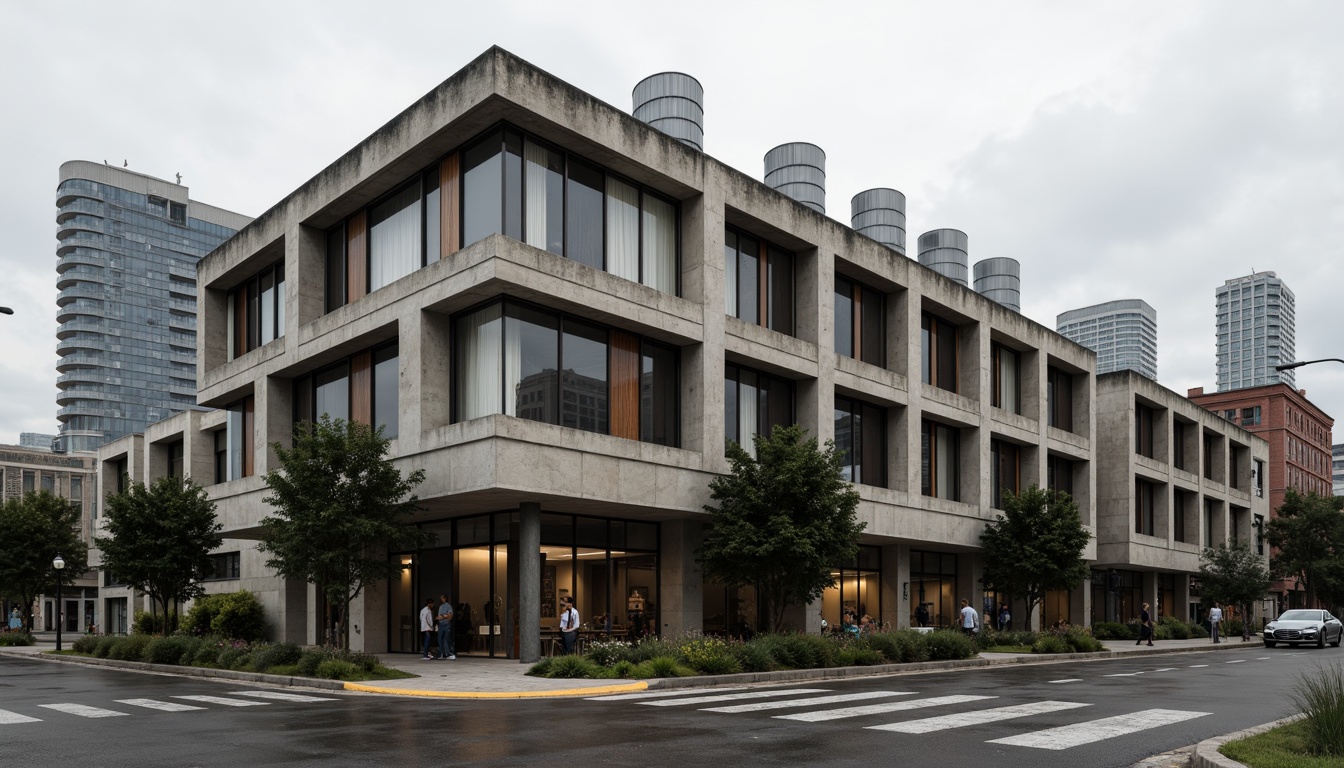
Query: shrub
{"type": "Point", "coordinates": [666, 666]}
{"type": "Point", "coordinates": [86, 644]}
{"type": "Point", "coordinates": [1232, 627]}
{"type": "Point", "coordinates": [795, 651]}
{"type": "Point", "coordinates": [650, 648]}
{"type": "Point", "coordinates": [572, 667]}
{"type": "Point", "coordinates": [206, 655]}
{"type": "Point", "coordinates": [1110, 630]}
{"type": "Point", "coordinates": [1319, 694]}
{"type": "Point", "coordinates": [337, 669]}
{"type": "Point", "coordinates": [1051, 644]}
{"type": "Point", "coordinates": [540, 669]}
{"type": "Point", "coordinates": [710, 656]}
{"type": "Point", "coordinates": [1176, 629]}
{"type": "Point", "coordinates": [165, 650]}
{"type": "Point", "coordinates": [232, 615]}
{"type": "Point", "coordinates": [104, 646]}
{"type": "Point", "coordinates": [129, 648]}
{"type": "Point", "coordinates": [275, 655]}
{"type": "Point", "coordinates": [857, 656]}
{"type": "Point", "coordinates": [622, 668]}
{"type": "Point", "coordinates": [232, 658]}
{"type": "Point", "coordinates": [1199, 631]}
{"type": "Point", "coordinates": [146, 623]}
{"type": "Point", "coordinates": [607, 652]}
{"type": "Point", "coordinates": [949, 644]}
{"type": "Point", "coordinates": [753, 656]}
{"type": "Point", "coordinates": [12, 639]}
{"type": "Point", "coordinates": [310, 660]}
{"type": "Point", "coordinates": [1080, 639]}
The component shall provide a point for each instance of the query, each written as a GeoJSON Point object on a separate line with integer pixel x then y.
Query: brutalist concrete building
{"type": "Point", "coordinates": [562, 313]}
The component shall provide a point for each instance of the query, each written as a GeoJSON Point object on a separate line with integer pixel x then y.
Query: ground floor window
{"type": "Point", "coordinates": [933, 587]}
{"type": "Point", "coordinates": [1166, 594]}
{"type": "Point", "coordinates": [729, 611]}
{"type": "Point", "coordinates": [857, 590]}
{"type": "Point", "coordinates": [1117, 596]}
{"type": "Point", "coordinates": [1055, 609]}
{"type": "Point", "coordinates": [116, 616]}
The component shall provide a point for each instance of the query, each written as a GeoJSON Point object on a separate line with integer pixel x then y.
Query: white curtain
{"type": "Point", "coordinates": [535, 190]}
{"type": "Point", "coordinates": [730, 277]}
{"type": "Point", "coordinates": [1008, 380]}
{"type": "Point", "coordinates": [394, 238]}
{"type": "Point", "coordinates": [513, 363]}
{"type": "Point", "coordinates": [748, 409]}
{"type": "Point", "coordinates": [660, 245]}
{"type": "Point", "coordinates": [622, 229]}
{"type": "Point", "coordinates": [479, 341]}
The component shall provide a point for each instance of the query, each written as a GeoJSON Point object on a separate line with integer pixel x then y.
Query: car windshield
{"type": "Point", "coordinates": [1301, 616]}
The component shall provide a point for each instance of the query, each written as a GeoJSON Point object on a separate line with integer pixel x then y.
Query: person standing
{"type": "Point", "coordinates": [427, 624]}
{"type": "Point", "coordinates": [1145, 626]}
{"type": "Point", "coordinates": [970, 620]}
{"type": "Point", "coordinates": [1215, 620]}
{"type": "Point", "coordinates": [569, 626]}
{"type": "Point", "coordinates": [922, 615]}
{"type": "Point", "coordinates": [445, 619]}
{"type": "Point", "coordinates": [1005, 618]}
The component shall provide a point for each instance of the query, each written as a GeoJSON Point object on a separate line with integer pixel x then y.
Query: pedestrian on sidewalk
{"type": "Point", "coordinates": [427, 624]}
{"type": "Point", "coordinates": [1215, 619]}
{"type": "Point", "coordinates": [569, 626]}
{"type": "Point", "coordinates": [445, 619]}
{"type": "Point", "coordinates": [1005, 618]}
{"type": "Point", "coordinates": [970, 620]}
{"type": "Point", "coordinates": [1145, 626]}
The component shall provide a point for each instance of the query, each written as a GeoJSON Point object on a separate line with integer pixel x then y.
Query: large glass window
{"type": "Point", "coordinates": [1179, 431]}
{"type": "Point", "coordinates": [859, 321]}
{"type": "Point", "coordinates": [233, 444]}
{"type": "Point", "coordinates": [395, 236]}
{"type": "Point", "coordinates": [257, 310]}
{"type": "Point", "coordinates": [755, 295]}
{"type": "Point", "coordinates": [1143, 430]}
{"type": "Point", "coordinates": [861, 438]}
{"type": "Point", "coordinates": [1059, 474]}
{"type": "Point", "coordinates": [335, 276]}
{"type": "Point", "coordinates": [933, 589]}
{"type": "Point", "coordinates": [754, 404]}
{"type": "Point", "coordinates": [385, 384]}
{"type": "Point", "coordinates": [938, 344]}
{"type": "Point", "coordinates": [658, 394]}
{"type": "Point", "coordinates": [545, 198]}
{"type": "Point", "coordinates": [939, 464]}
{"type": "Point", "coordinates": [584, 382]}
{"type": "Point", "coordinates": [1007, 378]}
{"type": "Point", "coordinates": [1145, 502]}
{"type": "Point", "coordinates": [176, 459]}
{"type": "Point", "coordinates": [531, 364]}
{"type": "Point", "coordinates": [1005, 469]}
{"type": "Point", "coordinates": [1059, 398]}
{"type": "Point", "coordinates": [583, 214]}
{"type": "Point", "coordinates": [482, 189]}
{"type": "Point", "coordinates": [331, 392]}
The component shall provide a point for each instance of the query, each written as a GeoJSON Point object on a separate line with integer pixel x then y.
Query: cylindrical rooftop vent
{"type": "Point", "coordinates": [1000, 279]}
{"type": "Point", "coordinates": [799, 171]}
{"type": "Point", "coordinates": [880, 214]}
{"type": "Point", "coordinates": [674, 103]}
{"type": "Point", "coordinates": [944, 251]}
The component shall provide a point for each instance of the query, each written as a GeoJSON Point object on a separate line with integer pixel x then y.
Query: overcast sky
{"type": "Point", "coordinates": [1144, 150]}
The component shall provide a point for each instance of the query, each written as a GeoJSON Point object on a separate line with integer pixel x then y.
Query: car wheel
{"type": "Point", "coordinates": [1320, 641]}
{"type": "Point", "coordinates": [1270, 643]}
{"type": "Point", "coordinates": [1338, 638]}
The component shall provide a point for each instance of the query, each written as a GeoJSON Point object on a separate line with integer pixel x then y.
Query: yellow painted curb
{"type": "Point", "coordinates": [595, 691]}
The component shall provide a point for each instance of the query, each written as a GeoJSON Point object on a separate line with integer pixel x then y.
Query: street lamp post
{"type": "Point", "coordinates": [6, 311]}
{"type": "Point", "coordinates": [59, 565]}
{"type": "Point", "coordinates": [1300, 363]}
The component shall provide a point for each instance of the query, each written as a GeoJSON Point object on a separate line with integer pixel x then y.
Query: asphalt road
{"type": "Point", "coordinates": [1096, 714]}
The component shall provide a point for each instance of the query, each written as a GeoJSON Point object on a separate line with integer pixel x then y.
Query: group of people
{"type": "Point", "coordinates": [438, 623]}
{"type": "Point", "coordinates": [1214, 618]}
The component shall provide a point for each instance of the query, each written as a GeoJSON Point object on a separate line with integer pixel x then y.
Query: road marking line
{"type": "Point", "coordinates": [1067, 736]}
{"type": "Point", "coordinates": [1262, 658]}
{"type": "Point", "coordinates": [1197, 666]}
{"type": "Point", "coordinates": [836, 699]}
{"type": "Point", "coordinates": [278, 696]}
{"type": "Point", "coordinates": [224, 701]}
{"type": "Point", "coordinates": [654, 694]}
{"type": "Point", "coordinates": [962, 719]}
{"type": "Point", "coordinates": [731, 697]}
{"type": "Point", "coordinates": [83, 711]}
{"type": "Point", "coordinates": [162, 706]}
{"type": "Point", "coordinates": [1165, 669]}
{"type": "Point", "coordinates": [1068, 680]}
{"type": "Point", "coordinates": [1238, 661]}
{"type": "Point", "coordinates": [879, 709]}
{"type": "Point", "coordinates": [9, 718]}
{"type": "Point", "coordinates": [1123, 674]}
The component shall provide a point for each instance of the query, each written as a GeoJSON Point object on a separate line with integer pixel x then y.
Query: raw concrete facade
{"type": "Point", "coordinates": [1173, 479]}
{"type": "Point", "coordinates": [522, 470]}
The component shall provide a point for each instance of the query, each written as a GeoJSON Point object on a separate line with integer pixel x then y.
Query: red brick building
{"type": "Point", "coordinates": [1299, 437]}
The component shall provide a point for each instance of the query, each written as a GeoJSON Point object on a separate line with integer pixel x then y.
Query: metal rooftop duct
{"type": "Point", "coordinates": [799, 171]}
{"type": "Point", "coordinates": [944, 251]}
{"type": "Point", "coordinates": [1000, 279]}
{"type": "Point", "coordinates": [674, 103]}
{"type": "Point", "coordinates": [880, 214]}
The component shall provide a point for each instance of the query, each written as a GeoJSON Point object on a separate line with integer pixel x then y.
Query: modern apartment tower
{"type": "Point", "coordinates": [1123, 333]}
{"type": "Point", "coordinates": [1256, 322]}
{"type": "Point", "coordinates": [126, 262]}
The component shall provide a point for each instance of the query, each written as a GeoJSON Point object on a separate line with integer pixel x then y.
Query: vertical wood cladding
{"type": "Point", "coordinates": [449, 206]}
{"type": "Point", "coordinates": [249, 437]}
{"type": "Point", "coordinates": [624, 415]}
{"type": "Point", "coordinates": [356, 256]}
{"type": "Point", "coordinates": [361, 387]}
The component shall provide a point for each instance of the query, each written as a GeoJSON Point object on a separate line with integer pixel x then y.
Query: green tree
{"type": "Point", "coordinates": [33, 530]}
{"type": "Point", "coordinates": [782, 521]}
{"type": "Point", "coordinates": [1035, 545]}
{"type": "Point", "coordinates": [1232, 575]}
{"type": "Point", "coordinates": [159, 540]}
{"type": "Point", "coordinates": [340, 507]}
{"type": "Point", "coordinates": [1307, 534]}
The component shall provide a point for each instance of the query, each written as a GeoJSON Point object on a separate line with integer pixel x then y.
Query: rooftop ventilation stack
{"type": "Point", "coordinates": [944, 251]}
{"type": "Point", "coordinates": [1000, 279]}
{"type": "Point", "coordinates": [674, 103]}
{"type": "Point", "coordinates": [880, 214]}
{"type": "Point", "coordinates": [799, 171]}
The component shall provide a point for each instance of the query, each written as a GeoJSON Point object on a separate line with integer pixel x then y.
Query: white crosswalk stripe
{"type": "Point", "coordinates": [278, 696]}
{"type": "Point", "coordinates": [83, 710]}
{"type": "Point", "coordinates": [1068, 680]}
{"type": "Point", "coordinates": [1066, 736]}
{"type": "Point", "coordinates": [761, 706]}
{"type": "Point", "coordinates": [654, 694]}
{"type": "Point", "coordinates": [224, 701]}
{"type": "Point", "coordinates": [730, 697]}
{"type": "Point", "coordinates": [963, 719]}
{"type": "Point", "coordinates": [162, 706]}
{"type": "Point", "coordinates": [879, 709]}
{"type": "Point", "coordinates": [10, 718]}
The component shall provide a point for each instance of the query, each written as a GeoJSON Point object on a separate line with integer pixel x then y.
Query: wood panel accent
{"type": "Point", "coordinates": [763, 285]}
{"type": "Point", "coordinates": [624, 404]}
{"type": "Point", "coordinates": [857, 319]}
{"type": "Point", "coordinates": [240, 320]}
{"type": "Point", "coordinates": [356, 257]}
{"type": "Point", "coordinates": [450, 225]}
{"type": "Point", "coordinates": [249, 438]}
{"type": "Point", "coordinates": [361, 387]}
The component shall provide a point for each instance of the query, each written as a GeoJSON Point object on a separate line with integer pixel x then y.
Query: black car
{"type": "Point", "coordinates": [1302, 625]}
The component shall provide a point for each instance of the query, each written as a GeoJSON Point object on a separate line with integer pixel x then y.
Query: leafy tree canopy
{"type": "Point", "coordinates": [1035, 545]}
{"type": "Point", "coordinates": [781, 521]}
{"type": "Point", "coordinates": [340, 506]}
{"type": "Point", "coordinates": [1232, 575]}
{"type": "Point", "coordinates": [159, 539]}
{"type": "Point", "coordinates": [1307, 534]}
{"type": "Point", "coordinates": [33, 530]}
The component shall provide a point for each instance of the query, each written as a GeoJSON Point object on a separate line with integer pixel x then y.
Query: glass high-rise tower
{"type": "Point", "coordinates": [1123, 333]}
{"type": "Point", "coordinates": [1256, 320]}
{"type": "Point", "coordinates": [126, 262]}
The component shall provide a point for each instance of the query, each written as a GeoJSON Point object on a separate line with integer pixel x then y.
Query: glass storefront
{"type": "Point", "coordinates": [857, 589]}
{"type": "Point", "coordinates": [609, 567]}
{"type": "Point", "coordinates": [933, 587]}
{"type": "Point", "coordinates": [1116, 595]}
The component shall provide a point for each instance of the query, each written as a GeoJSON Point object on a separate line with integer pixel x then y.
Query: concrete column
{"type": "Point", "coordinates": [274, 421]}
{"type": "Point", "coordinates": [529, 582]}
{"type": "Point", "coordinates": [1150, 593]}
{"type": "Point", "coordinates": [369, 620]}
{"type": "Point", "coordinates": [294, 614]}
{"type": "Point", "coordinates": [1182, 607]}
{"type": "Point", "coordinates": [424, 352]}
{"type": "Point", "coordinates": [681, 584]}
{"type": "Point", "coordinates": [812, 617]}
{"type": "Point", "coordinates": [305, 275]}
